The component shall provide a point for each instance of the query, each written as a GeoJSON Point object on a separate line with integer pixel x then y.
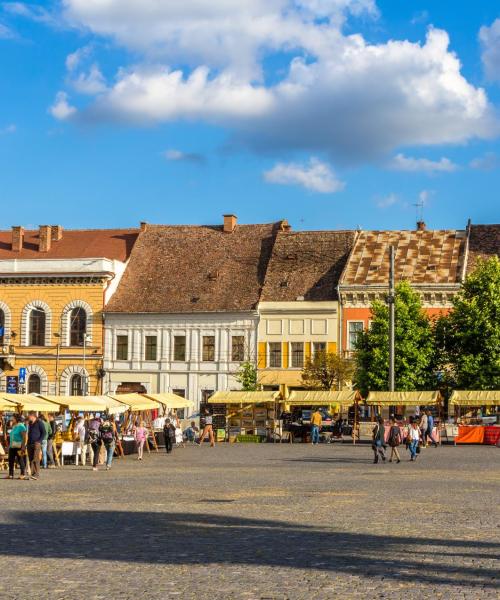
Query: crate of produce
{"type": "Point", "coordinates": [249, 439]}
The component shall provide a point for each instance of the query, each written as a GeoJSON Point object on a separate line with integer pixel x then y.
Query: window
{"type": "Point", "coordinates": [180, 347]}
{"type": "Point", "coordinates": [37, 327]}
{"type": "Point", "coordinates": [151, 347]}
{"type": "Point", "coordinates": [205, 396]}
{"type": "Point", "coordinates": [76, 385]}
{"type": "Point", "coordinates": [319, 347]}
{"type": "Point", "coordinates": [297, 355]}
{"type": "Point", "coordinates": [238, 348]}
{"type": "Point", "coordinates": [208, 348]}
{"type": "Point", "coordinates": [122, 347]}
{"type": "Point", "coordinates": [355, 328]}
{"type": "Point", "coordinates": [77, 326]}
{"type": "Point", "coordinates": [34, 384]}
{"type": "Point", "coordinates": [275, 354]}
{"type": "Point", "coordinates": [182, 394]}
{"type": "Point", "coordinates": [2, 327]}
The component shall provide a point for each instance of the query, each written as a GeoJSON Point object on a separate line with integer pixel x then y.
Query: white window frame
{"type": "Point", "coordinates": [348, 340]}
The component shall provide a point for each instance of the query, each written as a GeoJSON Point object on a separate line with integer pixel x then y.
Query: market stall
{"type": "Point", "coordinates": [334, 406]}
{"type": "Point", "coordinates": [249, 416]}
{"type": "Point", "coordinates": [404, 405]}
{"type": "Point", "coordinates": [477, 415]}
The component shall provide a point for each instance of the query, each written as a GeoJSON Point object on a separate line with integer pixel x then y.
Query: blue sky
{"type": "Point", "coordinates": [330, 113]}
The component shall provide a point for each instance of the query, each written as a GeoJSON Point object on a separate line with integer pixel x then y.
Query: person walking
{"type": "Point", "coordinates": [413, 440]}
{"type": "Point", "coordinates": [378, 436]}
{"type": "Point", "coordinates": [429, 430]}
{"type": "Point", "coordinates": [140, 436]}
{"type": "Point", "coordinates": [46, 427]}
{"type": "Point", "coordinates": [94, 439]}
{"type": "Point", "coordinates": [169, 435]}
{"type": "Point", "coordinates": [394, 440]}
{"type": "Point", "coordinates": [423, 427]}
{"type": "Point", "coordinates": [208, 429]}
{"type": "Point", "coordinates": [108, 436]}
{"type": "Point", "coordinates": [316, 422]}
{"type": "Point", "coordinates": [80, 433]}
{"type": "Point", "coordinates": [36, 433]}
{"type": "Point", "coordinates": [17, 447]}
{"type": "Point", "coordinates": [50, 441]}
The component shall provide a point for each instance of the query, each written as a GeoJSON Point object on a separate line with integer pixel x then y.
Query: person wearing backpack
{"type": "Point", "coordinates": [378, 436]}
{"type": "Point", "coordinates": [93, 438]}
{"type": "Point", "coordinates": [394, 440]}
{"type": "Point", "coordinates": [108, 438]}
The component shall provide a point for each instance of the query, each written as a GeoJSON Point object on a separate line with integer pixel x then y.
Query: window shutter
{"type": "Point", "coordinates": [332, 347]}
{"type": "Point", "coordinates": [308, 351]}
{"type": "Point", "coordinates": [284, 353]}
{"type": "Point", "coordinates": [261, 363]}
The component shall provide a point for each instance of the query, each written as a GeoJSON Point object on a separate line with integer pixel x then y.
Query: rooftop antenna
{"type": "Point", "coordinates": [419, 209]}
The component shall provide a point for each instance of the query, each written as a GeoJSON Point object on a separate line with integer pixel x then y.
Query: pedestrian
{"type": "Point", "coordinates": [429, 431]}
{"type": "Point", "coordinates": [394, 440]}
{"type": "Point", "coordinates": [46, 427]}
{"type": "Point", "coordinates": [316, 422]}
{"type": "Point", "coordinates": [140, 436]}
{"type": "Point", "coordinates": [50, 441]}
{"type": "Point", "coordinates": [207, 429]}
{"type": "Point", "coordinates": [169, 435]}
{"type": "Point", "coordinates": [423, 427]}
{"type": "Point", "coordinates": [36, 433]}
{"type": "Point", "coordinates": [80, 433]}
{"type": "Point", "coordinates": [18, 440]}
{"type": "Point", "coordinates": [191, 432]}
{"type": "Point", "coordinates": [94, 439]}
{"type": "Point", "coordinates": [413, 440]}
{"type": "Point", "coordinates": [378, 436]}
{"type": "Point", "coordinates": [108, 436]}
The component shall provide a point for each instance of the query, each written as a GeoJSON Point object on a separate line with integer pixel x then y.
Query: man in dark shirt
{"type": "Point", "coordinates": [36, 433]}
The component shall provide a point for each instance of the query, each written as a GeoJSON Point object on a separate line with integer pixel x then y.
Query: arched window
{"type": "Point", "coordinates": [78, 326]}
{"type": "Point", "coordinates": [34, 384]}
{"type": "Point", "coordinates": [76, 385]}
{"type": "Point", "coordinates": [37, 327]}
{"type": "Point", "coordinates": [2, 327]}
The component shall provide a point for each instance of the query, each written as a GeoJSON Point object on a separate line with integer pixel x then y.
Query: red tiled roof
{"type": "Point", "coordinates": [85, 243]}
{"type": "Point", "coordinates": [422, 257]}
{"type": "Point", "coordinates": [484, 242]}
{"type": "Point", "coordinates": [195, 269]}
{"type": "Point", "coordinates": [306, 264]}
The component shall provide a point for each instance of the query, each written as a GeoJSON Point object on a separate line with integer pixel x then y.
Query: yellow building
{"type": "Point", "coordinates": [53, 288]}
{"type": "Point", "coordinates": [299, 308]}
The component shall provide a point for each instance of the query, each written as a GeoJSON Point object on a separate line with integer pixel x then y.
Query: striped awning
{"type": "Point", "coordinates": [475, 398]}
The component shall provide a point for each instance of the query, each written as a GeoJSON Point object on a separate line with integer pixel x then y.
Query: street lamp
{"type": "Point", "coordinates": [86, 338]}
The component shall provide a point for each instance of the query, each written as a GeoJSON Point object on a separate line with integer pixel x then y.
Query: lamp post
{"type": "Point", "coordinates": [86, 338]}
{"type": "Point", "coordinates": [391, 300]}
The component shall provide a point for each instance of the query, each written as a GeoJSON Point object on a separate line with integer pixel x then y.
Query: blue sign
{"type": "Point", "coordinates": [22, 375]}
{"type": "Point", "coordinates": [12, 384]}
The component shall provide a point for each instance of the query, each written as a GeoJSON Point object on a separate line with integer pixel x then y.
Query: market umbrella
{"type": "Point", "coordinates": [136, 402]}
{"type": "Point", "coordinates": [29, 402]}
{"type": "Point", "coordinates": [171, 400]}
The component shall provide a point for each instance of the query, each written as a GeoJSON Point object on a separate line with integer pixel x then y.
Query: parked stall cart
{"type": "Point", "coordinates": [477, 414]}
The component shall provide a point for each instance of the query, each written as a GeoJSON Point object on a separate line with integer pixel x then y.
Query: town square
{"type": "Point", "coordinates": [249, 299]}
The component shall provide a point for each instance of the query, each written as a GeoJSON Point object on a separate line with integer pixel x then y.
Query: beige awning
{"type": "Point", "coordinates": [344, 398]}
{"type": "Point", "coordinates": [88, 403]}
{"type": "Point", "coordinates": [29, 402]}
{"type": "Point", "coordinates": [403, 398]}
{"type": "Point", "coordinates": [241, 397]}
{"type": "Point", "coordinates": [475, 398]}
{"type": "Point", "coordinates": [136, 402]}
{"type": "Point", "coordinates": [6, 404]}
{"type": "Point", "coordinates": [171, 400]}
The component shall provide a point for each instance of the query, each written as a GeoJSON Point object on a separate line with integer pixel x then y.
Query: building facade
{"type": "Point", "coordinates": [299, 308]}
{"type": "Point", "coordinates": [53, 287]}
{"type": "Point", "coordinates": [184, 317]}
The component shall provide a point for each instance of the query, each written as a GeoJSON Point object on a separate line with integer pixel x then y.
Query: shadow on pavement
{"type": "Point", "coordinates": [189, 539]}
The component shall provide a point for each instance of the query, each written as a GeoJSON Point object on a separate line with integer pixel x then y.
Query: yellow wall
{"type": "Point", "coordinates": [57, 296]}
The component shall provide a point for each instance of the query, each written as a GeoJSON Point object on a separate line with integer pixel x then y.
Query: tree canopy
{"type": "Point", "coordinates": [326, 371]}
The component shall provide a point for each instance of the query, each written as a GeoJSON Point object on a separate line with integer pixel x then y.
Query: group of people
{"type": "Point", "coordinates": [420, 430]}
{"type": "Point", "coordinates": [95, 435]}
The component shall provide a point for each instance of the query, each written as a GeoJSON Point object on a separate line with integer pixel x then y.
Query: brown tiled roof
{"type": "Point", "coordinates": [85, 243]}
{"type": "Point", "coordinates": [307, 264]}
{"type": "Point", "coordinates": [484, 242]}
{"type": "Point", "coordinates": [176, 269]}
{"type": "Point", "coordinates": [422, 257]}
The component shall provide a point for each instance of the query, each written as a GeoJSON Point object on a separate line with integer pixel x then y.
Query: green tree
{"type": "Point", "coordinates": [414, 346]}
{"type": "Point", "coordinates": [326, 371]}
{"type": "Point", "coordinates": [468, 338]}
{"type": "Point", "coordinates": [247, 376]}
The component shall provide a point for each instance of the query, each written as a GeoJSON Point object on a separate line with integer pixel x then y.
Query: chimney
{"type": "Point", "coordinates": [17, 238]}
{"type": "Point", "coordinates": [45, 238]}
{"type": "Point", "coordinates": [421, 226]}
{"type": "Point", "coordinates": [285, 225]}
{"type": "Point", "coordinates": [230, 223]}
{"type": "Point", "coordinates": [56, 233]}
{"type": "Point", "coordinates": [143, 225]}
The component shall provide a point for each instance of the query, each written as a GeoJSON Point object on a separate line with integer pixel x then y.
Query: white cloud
{"type": "Point", "coordinates": [422, 165]}
{"type": "Point", "coordinates": [387, 201]}
{"type": "Point", "coordinates": [425, 196]}
{"type": "Point", "coordinates": [490, 42]}
{"type": "Point", "coordinates": [180, 156]}
{"type": "Point", "coordinates": [90, 83]}
{"type": "Point", "coordinates": [316, 176]}
{"type": "Point", "coordinates": [61, 109]}
{"type": "Point", "coordinates": [487, 162]}
{"type": "Point", "coordinates": [11, 128]}
{"type": "Point", "coordinates": [74, 59]}
{"type": "Point", "coordinates": [30, 11]}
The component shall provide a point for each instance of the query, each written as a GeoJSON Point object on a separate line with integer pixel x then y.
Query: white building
{"type": "Point", "coordinates": [184, 316]}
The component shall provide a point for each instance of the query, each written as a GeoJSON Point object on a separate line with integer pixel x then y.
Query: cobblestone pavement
{"type": "Point", "coordinates": [257, 522]}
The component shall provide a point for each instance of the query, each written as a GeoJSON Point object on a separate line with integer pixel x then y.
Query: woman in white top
{"type": "Point", "coordinates": [413, 438]}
